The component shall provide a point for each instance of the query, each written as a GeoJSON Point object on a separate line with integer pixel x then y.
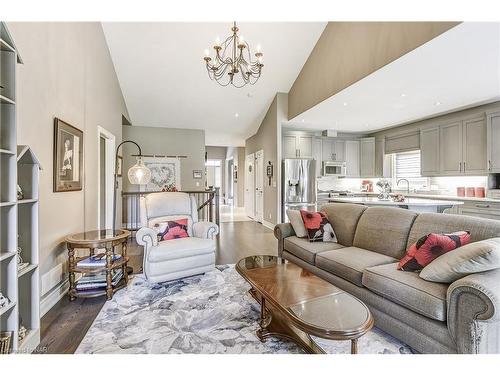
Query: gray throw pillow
{"type": "Point", "coordinates": [297, 223]}
{"type": "Point", "coordinates": [471, 258]}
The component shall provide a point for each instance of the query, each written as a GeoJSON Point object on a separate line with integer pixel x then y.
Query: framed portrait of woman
{"type": "Point", "coordinates": [68, 157]}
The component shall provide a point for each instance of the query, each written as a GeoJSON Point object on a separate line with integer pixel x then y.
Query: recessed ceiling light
{"type": "Point", "coordinates": [236, 115]}
{"type": "Point", "coordinates": [403, 95]}
{"type": "Point", "coordinates": [303, 120]}
{"type": "Point", "coordinates": [345, 104]}
{"type": "Point", "coordinates": [437, 103]}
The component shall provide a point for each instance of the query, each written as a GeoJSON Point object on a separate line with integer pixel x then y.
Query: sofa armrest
{"type": "Point", "coordinates": [146, 237]}
{"type": "Point", "coordinates": [205, 229]}
{"type": "Point", "coordinates": [282, 231]}
{"type": "Point", "coordinates": [474, 312]}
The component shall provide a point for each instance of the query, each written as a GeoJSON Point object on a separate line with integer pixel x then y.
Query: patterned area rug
{"type": "Point", "coordinates": [210, 313]}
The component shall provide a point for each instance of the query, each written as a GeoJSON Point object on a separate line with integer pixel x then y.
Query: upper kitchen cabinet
{"type": "Point", "coordinates": [474, 146]}
{"type": "Point", "coordinates": [463, 147]}
{"type": "Point", "coordinates": [450, 144]}
{"type": "Point", "coordinates": [352, 157]}
{"type": "Point", "coordinates": [367, 157]}
{"type": "Point", "coordinates": [317, 155]}
{"type": "Point", "coordinates": [297, 146]}
{"type": "Point", "coordinates": [493, 141]}
{"type": "Point", "coordinates": [429, 152]}
{"type": "Point", "coordinates": [333, 150]}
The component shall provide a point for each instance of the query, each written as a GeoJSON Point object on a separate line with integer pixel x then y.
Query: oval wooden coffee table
{"type": "Point", "coordinates": [296, 304]}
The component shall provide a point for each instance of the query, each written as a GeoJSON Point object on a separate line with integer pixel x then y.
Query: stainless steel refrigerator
{"type": "Point", "coordinates": [299, 185]}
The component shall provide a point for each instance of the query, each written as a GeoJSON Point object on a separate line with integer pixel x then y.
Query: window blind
{"type": "Point", "coordinates": [407, 165]}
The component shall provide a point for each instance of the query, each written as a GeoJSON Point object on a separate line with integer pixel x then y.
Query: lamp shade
{"type": "Point", "coordinates": [139, 174]}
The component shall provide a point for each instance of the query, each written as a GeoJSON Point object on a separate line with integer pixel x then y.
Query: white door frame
{"type": "Point", "coordinates": [250, 185]}
{"type": "Point", "coordinates": [259, 193]}
{"type": "Point", "coordinates": [110, 170]}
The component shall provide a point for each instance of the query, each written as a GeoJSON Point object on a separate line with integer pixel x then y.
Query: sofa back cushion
{"type": "Point", "coordinates": [479, 228]}
{"type": "Point", "coordinates": [384, 230]}
{"type": "Point", "coordinates": [344, 218]}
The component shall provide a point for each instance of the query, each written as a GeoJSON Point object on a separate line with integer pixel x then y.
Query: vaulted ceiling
{"type": "Point", "coordinates": [164, 81]}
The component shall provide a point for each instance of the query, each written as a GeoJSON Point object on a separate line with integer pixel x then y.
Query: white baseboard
{"type": "Point", "coordinates": [268, 225]}
{"type": "Point", "coordinates": [53, 297]}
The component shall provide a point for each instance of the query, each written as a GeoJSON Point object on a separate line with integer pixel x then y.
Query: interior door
{"type": "Point", "coordinates": [259, 186]}
{"type": "Point", "coordinates": [249, 186]}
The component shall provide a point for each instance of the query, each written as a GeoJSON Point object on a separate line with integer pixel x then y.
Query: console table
{"type": "Point", "coordinates": [93, 240]}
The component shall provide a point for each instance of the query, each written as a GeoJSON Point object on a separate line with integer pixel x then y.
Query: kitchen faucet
{"type": "Point", "coordinates": [407, 184]}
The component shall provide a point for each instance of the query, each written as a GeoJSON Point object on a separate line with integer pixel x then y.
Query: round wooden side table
{"type": "Point", "coordinates": [107, 239]}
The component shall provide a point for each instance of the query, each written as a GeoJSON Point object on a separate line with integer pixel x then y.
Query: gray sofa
{"type": "Point", "coordinates": [462, 317]}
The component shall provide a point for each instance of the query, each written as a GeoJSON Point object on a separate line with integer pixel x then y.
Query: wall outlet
{"type": "Point", "coordinates": [197, 183]}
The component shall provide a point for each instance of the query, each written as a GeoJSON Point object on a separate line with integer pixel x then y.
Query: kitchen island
{"type": "Point", "coordinates": [414, 204]}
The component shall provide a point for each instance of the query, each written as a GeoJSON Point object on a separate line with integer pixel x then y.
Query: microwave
{"type": "Point", "coordinates": [334, 168]}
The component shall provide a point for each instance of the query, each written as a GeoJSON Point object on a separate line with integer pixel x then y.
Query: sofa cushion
{"type": "Point", "coordinates": [344, 219]}
{"type": "Point", "coordinates": [407, 289]}
{"type": "Point", "coordinates": [384, 230]}
{"type": "Point", "coordinates": [305, 250]}
{"type": "Point", "coordinates": [298, 226]}
{"type": "Point", "coordinates": [180, 248]}
{"type": "Point", "coordinates": [350, 262]}
{"type": "Point", "coordinates": [479, 228]}
{"type": "Point", "coordinates": [475, 257]}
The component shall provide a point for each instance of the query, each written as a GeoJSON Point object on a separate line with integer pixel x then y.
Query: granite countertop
{"type": "Point", "coordinates": [409, 201]}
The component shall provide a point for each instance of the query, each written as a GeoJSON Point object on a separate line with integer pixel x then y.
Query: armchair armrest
{"type": "Point", "coordinates": [474, 312]}
{"type": "Point", "coordinates": [205, 229]}
{"type": "Point", "coordinates": [146, 237]}
{"type": "Point", "coordinates": [282, 231]}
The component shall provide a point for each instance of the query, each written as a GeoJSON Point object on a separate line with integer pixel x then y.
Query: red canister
{"type": "Point", "coordinates": [460, 192]}
{"type": "Point", "coordinates": [470, 192]}
{"type": "Point", "coordinates": [479, 192]}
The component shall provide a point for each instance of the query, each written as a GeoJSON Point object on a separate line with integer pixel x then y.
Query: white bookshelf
{"type": "Point", "coordinates": [18, 165]}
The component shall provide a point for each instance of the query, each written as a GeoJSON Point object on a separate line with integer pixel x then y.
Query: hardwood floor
{"type": "Point", "coordinates": [66, 324]}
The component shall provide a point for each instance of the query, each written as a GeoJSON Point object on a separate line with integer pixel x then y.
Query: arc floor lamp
{"type": "Point", "coordinates": [138, 174]}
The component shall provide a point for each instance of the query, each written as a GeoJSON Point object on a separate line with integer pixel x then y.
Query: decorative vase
{"type": "Point", "coordinates": [5, 340]}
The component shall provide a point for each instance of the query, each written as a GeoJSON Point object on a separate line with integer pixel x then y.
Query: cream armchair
{"type": "Point", "coordinates": [182, 257]}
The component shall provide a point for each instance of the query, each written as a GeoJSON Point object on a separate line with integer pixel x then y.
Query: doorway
{"type": "Point", "coordinates": [249, 185]}
{"type": "Point", "coordinates": [259, 186]}
{"type": "Point", "coordinates": [105, 177]}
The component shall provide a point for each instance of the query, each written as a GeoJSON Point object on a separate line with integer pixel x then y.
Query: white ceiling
{"type": "Point", "coordinates": [457, 69]}
{"type": "Point", "coordinates": [164, 81]}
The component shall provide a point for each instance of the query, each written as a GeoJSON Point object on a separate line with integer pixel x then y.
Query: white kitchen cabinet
{"type": "Point", "coordinates": [297, 146]}
{"type": "Point", "coordinates": [317, 155]}
{"type": "Point", "coordinates": [289, 147]}
{"type": "Point", "coordinates": [333, 150]}
{"type": "Point", "coordinates": [474, 146]}
{"type": "Point", "coordinates": [493, 141]}
{"type": "Point", "coordinates": [367, 157]}
{"type": "Point", "coordinates": [352, 156]}
{"type": "Point", "coordinates": [429, 152]}
{"type": "Point", "coordinates": [451, 149]}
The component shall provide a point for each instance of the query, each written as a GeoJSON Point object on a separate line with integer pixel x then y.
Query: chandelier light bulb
{"type": "Point", "coordinates": [242, 39]}
{"type": "Point", "coordinates": [217, 41]}
{"type": "Point", "coordinates": [207, 53]}
{"type": "Point", "coordinates": [258, 48]}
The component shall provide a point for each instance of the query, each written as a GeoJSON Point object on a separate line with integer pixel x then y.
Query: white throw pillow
{"type": "Point", "coordinates": [472, 258]}
{"type": "Point", "coordinates": [297, 223]}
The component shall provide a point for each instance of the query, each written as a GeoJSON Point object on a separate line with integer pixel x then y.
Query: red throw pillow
{"type": "Point", "coordinates": [174, 229]}
{"type": "Point", "coordinates": [429, 247]}
{"type": "Point", "coordinates": [318, 227]}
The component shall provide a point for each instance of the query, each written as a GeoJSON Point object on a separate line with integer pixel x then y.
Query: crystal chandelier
{"type": "Point", "coordinates": [232, 62]}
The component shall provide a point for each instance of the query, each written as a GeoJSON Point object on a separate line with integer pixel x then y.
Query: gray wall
{"type": "Point", "coordinates": [266, 139]}
{"type": "Point", "coordinates": [238, 156]}
{"type": "Point", "coordinates": [67, 73]}
{"type": "Point", "coordinates": [167, 141]}
{"type": "Point", "coordinates": [216, 152]}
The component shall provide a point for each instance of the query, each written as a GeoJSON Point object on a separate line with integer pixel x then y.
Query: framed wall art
{"type": "Point", "coordinates": [119, 166]}
{"type": "Point", "coordinates": [68, 157]}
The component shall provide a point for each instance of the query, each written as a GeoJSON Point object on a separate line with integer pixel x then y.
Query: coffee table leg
{"type": "Point", "coordinates": [354, 346]}
{"type": "Point", "coordinates": [109, 261]}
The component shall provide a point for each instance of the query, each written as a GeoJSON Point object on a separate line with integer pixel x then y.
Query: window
{"type": "Point", "coordinates": [407, 165]}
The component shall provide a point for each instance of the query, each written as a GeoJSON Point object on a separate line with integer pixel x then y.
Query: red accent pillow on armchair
{"type": "Point", "coordinates": [431, 246]}
{"type": "Point", "coordinates": [173, 229]}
